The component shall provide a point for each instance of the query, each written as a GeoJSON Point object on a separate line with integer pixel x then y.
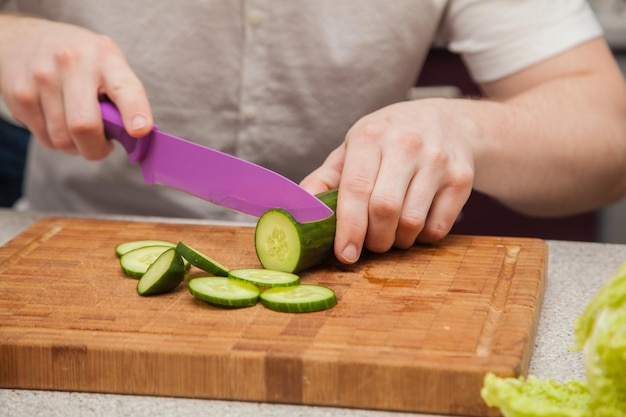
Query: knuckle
{"type": "Point", "coordinates": [439, 157]}
{"type": "Point", "coordinates": [412, 222]}
{"type": "Point", "coordinates": [61, 140]}
{"type": "Point", "coordinates": [66, 56]}
{"type": "Point", "coordinates": [410, 143]}
{"type": "Point", "coordinates": [24, 95]}
{"type": "Point", "coordinates": [462, 178]}
{"type": "Point", "coordinates": [369, 132]}
{"type": "Point", "coordinates": [384, 206]}
{"type": "Point", "coordinates": [359, 186]}
{"type": "Point", "coordinates": [44, 75]}
{"type": "Point", "coordinates": [81, 126]}
{"type": "Point", "coordinates": [434, 232]}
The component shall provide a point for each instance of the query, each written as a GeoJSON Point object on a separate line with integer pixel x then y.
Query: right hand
{"type": "Point", "coordinates": [51, 75]}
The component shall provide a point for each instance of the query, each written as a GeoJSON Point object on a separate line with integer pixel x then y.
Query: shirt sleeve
{"type": "Point", "coordinates": [497, 38]}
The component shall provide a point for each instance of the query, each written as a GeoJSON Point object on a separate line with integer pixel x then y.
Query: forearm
{"type": "Point", "coordinates": [556, 149]}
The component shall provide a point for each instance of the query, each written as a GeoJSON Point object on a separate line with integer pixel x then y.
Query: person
{"type": "Point", "coordinates": [315, 89]}
{"type": "Point", "coordinates": [13, 144]}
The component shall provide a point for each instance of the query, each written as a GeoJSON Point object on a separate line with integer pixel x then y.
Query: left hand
{"type": "Point", "coordinates": [404, 173]}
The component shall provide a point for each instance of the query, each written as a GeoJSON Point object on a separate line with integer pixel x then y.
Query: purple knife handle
{"type": "Point", "coordinates": [114, 129]}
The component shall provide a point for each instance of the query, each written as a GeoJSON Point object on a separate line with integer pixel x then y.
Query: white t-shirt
{"type": "Point", "coordinates": [279, 83]}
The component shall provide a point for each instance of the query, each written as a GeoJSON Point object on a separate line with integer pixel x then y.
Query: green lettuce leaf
{"type": "Point", "coordinates": [531, 397]}
{"type": "Point", "coordinates": [600, 332]}
{"type": "Point", "coordinates": [605, 363]}
{"type": "Point", "coordinates": [611, 295]}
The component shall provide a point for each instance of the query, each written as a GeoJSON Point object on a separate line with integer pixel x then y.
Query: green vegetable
{"type": "Point", "coordinates": [519, 397]}
{"type": "Point", "coordinates": [163, 275]}
{"type": "Point", "coordinates": [136, 262]}
{"type": "Point", "coordinates": [224, 292]}
{"type": "Point", "coordinates": [125, 247]}
{"type": "Point", "coordinates": [284, 244]}
{"type": "Point", "coordinates": [600, 332]}
{"type": "Point", "coordinates": [303, 298]}
{"type": "Point", "coordinates": [265, 277]}
{"type": "Point", "coordinates": [200, 260]}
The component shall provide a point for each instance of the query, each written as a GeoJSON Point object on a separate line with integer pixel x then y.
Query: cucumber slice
{"type": "Point", "coordinates": [304, 298]}
{"type": "Point", "coordinates": [201, 261]}
{"type": "Point", "coordinates": [224, 292]}
{"type": "Point", "coordinates": [265, 277]}
{"type": "Point", "coordinates": [283, 244]}
{"type": "Point", "coordinates": [135, 263]}
{"type": "Point", "coordinates": [163, 275]}
{"type": "Point", "coordinates": [125, 247]}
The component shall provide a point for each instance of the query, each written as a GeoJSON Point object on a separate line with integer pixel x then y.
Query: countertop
{"type": "Point", "coordinates": [576, 271]}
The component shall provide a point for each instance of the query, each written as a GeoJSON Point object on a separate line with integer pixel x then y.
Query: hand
{"type": "Point", "coordinates": [51, 75]}
{"type": "Point", "coordinates": [404, 173]}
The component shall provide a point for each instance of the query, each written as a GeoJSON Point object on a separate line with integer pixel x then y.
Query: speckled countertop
{"type": "Point", "coordinates": [576, 270]}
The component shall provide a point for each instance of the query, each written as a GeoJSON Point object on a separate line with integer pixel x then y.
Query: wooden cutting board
{"type": "Point", "coordinates": [413, 330]}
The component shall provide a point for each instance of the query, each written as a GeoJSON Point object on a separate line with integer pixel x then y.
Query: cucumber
{"type": "Point", "coordinates": [265, 277]}
{"type": "Point", "coordinates": [284, 244]}
{"type": "Point", "coordinates": [163, 275]}
{"type": "Point", "coordinates": [135, 263]}
{"type": "Point", "coordinates": [224, 292]}
{"type": "Point", "coordinates": [304, 298]}
{"type": "Point", "coordinates": [125, 247]}
{"type": "Point", "coordinates": [201, 261]}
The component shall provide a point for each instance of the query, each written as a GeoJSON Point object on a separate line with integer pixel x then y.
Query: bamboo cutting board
{"type": "Point", "coordinates": [413, 330]}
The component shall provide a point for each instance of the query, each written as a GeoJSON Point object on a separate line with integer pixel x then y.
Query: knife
{"type": "Point", "coordinates": [210, 174]}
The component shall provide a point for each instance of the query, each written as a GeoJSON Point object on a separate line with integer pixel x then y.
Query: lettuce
{"type": "Point", "coordinates": [519, 397]}
{"type": "Point", "coordinates": [600, 332]}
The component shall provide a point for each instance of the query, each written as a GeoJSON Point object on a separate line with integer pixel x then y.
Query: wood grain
{"type": "Point", "coordinates": [413, 330]}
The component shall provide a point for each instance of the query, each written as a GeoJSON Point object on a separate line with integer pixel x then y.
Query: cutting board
{"type": "Point", "coordinates": [413, 330]}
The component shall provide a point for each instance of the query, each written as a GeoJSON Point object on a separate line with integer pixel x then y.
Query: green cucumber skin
{"type": "Point", "coordinates": [222, 302]}
{"type": "Point", "coordinates": [174, 275]}
{"type": "Point", "coordinates": [303, 308]}
{"type": "Point", "coordinates": [317, 238]}
{"type": "Point", "coordinates": [201, 261]}
{"type": "Point", "coordinates": [125, 247]}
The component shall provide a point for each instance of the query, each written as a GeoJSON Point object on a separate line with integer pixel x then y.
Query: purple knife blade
{"type": "Point", "coordinates": [212, 175]}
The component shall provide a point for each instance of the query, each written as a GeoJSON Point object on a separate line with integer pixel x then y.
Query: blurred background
{"type": "Point", "coordinates": [443, 75]}
{"type": "Point", "coordinates": [612, 16]}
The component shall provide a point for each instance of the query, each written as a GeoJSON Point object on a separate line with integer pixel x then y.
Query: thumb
{"type": "Point", "coordinates": [124, 89]}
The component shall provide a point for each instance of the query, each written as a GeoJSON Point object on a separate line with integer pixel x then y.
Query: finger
{"type": "Point", "coordinates": [389, 194]}
{"type": "Point", "coordinates": [123, 87]}
{"type": "Point", "coordinates": [328, 175]}
{"type": "Point", "coordinates": [25, 107]}
{"type": "Point", "coordinates": [361, 165]}
{"type": "Point", "coordinates": [82, 112]}
{"type": "Point", "coordinates": [53, 109]}
{"type": "Point", "coordinates": [445, 209]}
{"type": "Point", "coordinates": [417, 204]}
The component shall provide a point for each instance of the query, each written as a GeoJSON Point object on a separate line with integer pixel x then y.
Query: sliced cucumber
{"type": "Point", "coordinates": [201, 261]}
{"type": "Point", "coordinates": [224, 292]}
{"type": "Point", "coordinates": [125, 247]}
{"type": "Point", "coordinates": [304, 298]}
{"type": "Point", "coordinates": [265, 277]}
{"type": "Point", "coordinates": [284, 244]}
{"type": "Point", "coordinates": [163, 275]}
{"type": "Point", "coordinates": [136, 262]}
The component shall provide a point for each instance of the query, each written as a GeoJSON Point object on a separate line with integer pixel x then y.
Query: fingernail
{"type": "Point", "coordinates": [350, 254]}
{"type": "Point", "coordinates": [138, 122]}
